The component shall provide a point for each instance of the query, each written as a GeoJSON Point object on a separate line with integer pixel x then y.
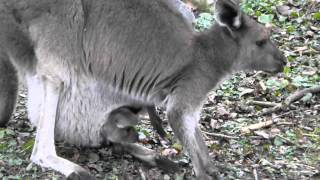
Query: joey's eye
{"type": "Point", "coordinates": [261, 43]}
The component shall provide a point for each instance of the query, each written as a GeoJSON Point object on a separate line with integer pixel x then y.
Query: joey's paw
{"type": "Point", "coordinates": [80, 175]}
{"type": "Point", "coordinates": [166, 164]}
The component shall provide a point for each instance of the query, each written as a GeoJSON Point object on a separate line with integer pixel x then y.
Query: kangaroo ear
{"type": "Point", "coordinates": [227, 13]}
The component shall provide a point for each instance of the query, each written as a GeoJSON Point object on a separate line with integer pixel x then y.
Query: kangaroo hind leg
{"type": "Point", "coordinates": [44, 152]}
{"type": "Point", "coordinates": [8, 88]}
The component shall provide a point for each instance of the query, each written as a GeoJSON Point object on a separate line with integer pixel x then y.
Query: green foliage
{"type": "Point", "coordinates": [278, 141]}
{"type": "Point", "coordinates": [265, 18]}
{"type": "Point", "coordinates": [204, 21]}
{"type": "Point", "coordinates": [5, 133]}
{"type": "Point", "coordinates": [28, 145]}
{"type": "Point", "coordinates": [275, 84]}
{"type": "Point", "coordinates": [177, 146]}
{"type": "Point", "coordinates": [202, 5]}
{"type": "Point", "coordinates": [143, 132]}
{"type": "Point", "coordinates": [263, 9]}
{"type": "Point", "coordinates": [316, 16]}
{"type": "Point", "coordinates": [2, 133]}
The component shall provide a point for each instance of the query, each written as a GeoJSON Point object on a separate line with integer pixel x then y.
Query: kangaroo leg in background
{"type": "Point", "coordinates": [8, 89]}
{"type": "Point", "coordinates": [44, 152]}
{"type": "Point", "coordinates": [156, 121]}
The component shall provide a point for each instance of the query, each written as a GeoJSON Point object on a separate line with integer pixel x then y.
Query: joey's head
{"type": "Point", "coordinates": [128, 135]}
{"type": "Point", "coordinates": [250, 40]}
{"type": "Point", "coordinates": [112, 133]}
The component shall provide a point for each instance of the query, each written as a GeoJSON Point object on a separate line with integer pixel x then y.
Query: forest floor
{"type": "Point", "coordinates": [241, 126]}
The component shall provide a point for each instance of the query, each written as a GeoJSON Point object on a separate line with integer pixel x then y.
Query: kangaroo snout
{"type": "Point", "coordinates": [282, 63]}
{"type": "Point", "coordinates": [283, 59]}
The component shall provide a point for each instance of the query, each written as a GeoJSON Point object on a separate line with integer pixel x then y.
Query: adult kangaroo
{"type": "Point", "coordinates": [82, 59]}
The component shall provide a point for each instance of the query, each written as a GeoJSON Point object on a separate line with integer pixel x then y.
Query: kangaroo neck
{"type": "Point", "coordinates": [213, 56]}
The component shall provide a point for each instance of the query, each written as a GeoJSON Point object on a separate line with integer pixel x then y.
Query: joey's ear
{"type": "Point", "coordinates": [228, 14]}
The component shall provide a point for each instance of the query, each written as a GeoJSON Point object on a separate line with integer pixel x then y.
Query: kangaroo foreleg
{"type": "Point", "coordinates": [156, 121]}
{"type": "Point", "coordinates": [184, 122]}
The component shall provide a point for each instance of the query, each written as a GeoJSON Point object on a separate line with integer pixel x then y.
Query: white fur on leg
{"type": "Point", "coordinates": [35, 93]}
{"type": "Point", "coordinates": [44, 152]}
{"type": "Point", "coordinates": [190, 122]}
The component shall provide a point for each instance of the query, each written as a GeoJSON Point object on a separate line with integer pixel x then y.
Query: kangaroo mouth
{"type": "Point", "coordinates": [277, 68]}
{"type": "Point", "coordinates": [275, 71]}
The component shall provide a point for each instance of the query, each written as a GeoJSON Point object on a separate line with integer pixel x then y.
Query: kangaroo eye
{"type": "Point", "coordinates": [261, 43]}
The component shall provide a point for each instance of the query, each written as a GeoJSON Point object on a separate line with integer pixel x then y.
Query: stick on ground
{"type": "Point", "coordinates": [220, 135]}
{"type": "Point", "coordinates": [274, 107]}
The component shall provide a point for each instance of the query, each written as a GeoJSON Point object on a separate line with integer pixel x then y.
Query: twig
{"type": "Point", "coordinates": [260, 125]}
{"type": "Point", "coordinates": [300, 94]}
{"type": "Point", "coordinates": [291, 99]}
{"type": "Point", "coordinates": [205, 135]}
{"type": "Point", "coordinates": [285, 123]}
{"type": "Point", "coordinates": [220, 135]}
{"type": "Point", "coordinates": [253, 127]}
{"type": "Point", "coordinates": [272, 107]}
{"type": "Point", "coordinates": [255, 174]}
{"type": "Point", "coordinates": [286, 113]}
{"type": "Point", "coordinates": [287, 140]}
{"type": "Point", "coordinates": [263, 103]}
{"type": "Point", "coordinates": [143, 176]}
{"type": "Point", "coordinates": [272, 110]}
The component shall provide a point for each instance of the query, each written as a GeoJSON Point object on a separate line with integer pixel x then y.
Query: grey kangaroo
{"type": "Point", "coordinates": [83, 59]}
{"type": "Point", "coordinates": [9, 82]}
{"type": "Point", "coordinates": [8, 88]}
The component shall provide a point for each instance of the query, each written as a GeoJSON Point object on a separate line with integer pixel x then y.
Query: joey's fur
{"type": "Point", "coordinates": [119, 127]}
{"type": "Point", "coordinates": [92, 57]}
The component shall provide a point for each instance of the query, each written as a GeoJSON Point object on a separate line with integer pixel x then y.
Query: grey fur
{"type": "Point", "coordinates": [156, 121]}
{"type": "Point", "coordinates": [8, 90]}
{"type": "Point", "coordinates": [119, 127]}
{"type": "Point", "coordinates": [181, 8]}
{"type": "Point", "coordinates": [97, 56]}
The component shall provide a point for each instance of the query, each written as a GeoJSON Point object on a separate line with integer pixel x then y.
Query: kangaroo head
{"type": "Point", "coordinates": [251, 40]}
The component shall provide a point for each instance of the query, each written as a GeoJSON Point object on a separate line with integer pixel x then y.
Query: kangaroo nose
{"type": "Point", "coordinates": [283, 59]}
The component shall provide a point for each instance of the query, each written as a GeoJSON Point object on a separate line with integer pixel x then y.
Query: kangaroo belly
{"type": "Point", "coordinates": [83, 109]}
{"type": "Point", "coordinates": [81, 113]}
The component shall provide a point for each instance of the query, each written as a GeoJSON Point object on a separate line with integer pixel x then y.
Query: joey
{"type": "Point", "coordinates": [119, 127]}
